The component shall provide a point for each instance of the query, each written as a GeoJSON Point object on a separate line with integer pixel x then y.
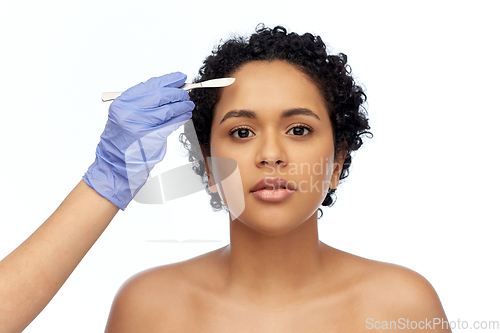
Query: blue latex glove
{"type": "Point", "coordinates": [135, 137]}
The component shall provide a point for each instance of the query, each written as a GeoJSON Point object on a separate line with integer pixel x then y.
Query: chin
{"type": "Point", "coordinates": [272, 224]}
{"type": "Point", "coordinates": [273, 231]}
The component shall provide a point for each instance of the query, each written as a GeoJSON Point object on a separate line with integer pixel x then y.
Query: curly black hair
{"type": "Point", "coordinates": [344, 98]}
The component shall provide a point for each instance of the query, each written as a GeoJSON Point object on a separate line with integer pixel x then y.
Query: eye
{"type": "Point", "coordinates": [299, 130]}
{"type": "Point", "coordinates": [242, 131]}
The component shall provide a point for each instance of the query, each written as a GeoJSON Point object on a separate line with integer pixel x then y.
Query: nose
{"type": "Point", "coordinates": [271, 152]}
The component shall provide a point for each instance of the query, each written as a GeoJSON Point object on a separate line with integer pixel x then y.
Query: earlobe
{"type": "Point", "coordinates": [337, 170]}
{"type": "Point", "coordinates": [334, 183]}
{"type": "Point", "coordinates": [211, 183]}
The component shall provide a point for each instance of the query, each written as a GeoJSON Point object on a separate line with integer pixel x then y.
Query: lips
{"type": "Point", "coordinates": [271, 183]}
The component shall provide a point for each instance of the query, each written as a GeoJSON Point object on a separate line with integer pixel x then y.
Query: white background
{"type": "Point", "coordinates": [423, 193]}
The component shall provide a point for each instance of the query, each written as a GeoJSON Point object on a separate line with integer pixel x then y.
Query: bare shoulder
{"type": "Point", "coordinates": [156, 298]}
{"type": "Point", "coordinates": [390, 292]}
{"type": "Point", "coordinates": [141, 299]}
{"type": "Point", "coordinates": [405, 287]}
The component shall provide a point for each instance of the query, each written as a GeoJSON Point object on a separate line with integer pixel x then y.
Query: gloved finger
{"type": "Point", "coordinates": [174, 80]}
{"type": "Point", "coordinates": [179, 109]}
{"type": "Point", "coordinates": [164, 114]}
{"type": "Point", "coordinates": [174, 123]}
{"type": "Point", "coordinates": [162, 96]}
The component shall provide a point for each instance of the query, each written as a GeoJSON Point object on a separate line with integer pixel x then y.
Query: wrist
{"type": "Point", "coordinates": [108, 184]}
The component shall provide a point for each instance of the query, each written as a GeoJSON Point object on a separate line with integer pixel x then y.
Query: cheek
{"type": "Point", "coordinates": [319, 174]}
{"type": "Point", "coordinates": [230, 169]}
{"type": "Point", "coordinates": [227, 177]}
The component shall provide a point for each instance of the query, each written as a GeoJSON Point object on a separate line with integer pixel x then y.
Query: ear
{"type": "Point", "coordinates": [211, 179]}
{"type": "Point", "coordinates": [337, 168]}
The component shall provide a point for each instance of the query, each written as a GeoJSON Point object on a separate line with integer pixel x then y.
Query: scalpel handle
{"type": "Point", "coordinates": [109, 96]}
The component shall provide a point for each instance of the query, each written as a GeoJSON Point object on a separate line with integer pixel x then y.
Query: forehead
{"type": "Point", "coordinates": [268, 88]}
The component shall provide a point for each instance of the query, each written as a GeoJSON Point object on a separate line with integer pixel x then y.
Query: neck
{"type": "Point", "coordinates": [280, 268]}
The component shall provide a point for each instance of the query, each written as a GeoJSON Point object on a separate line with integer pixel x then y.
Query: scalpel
{"type": "Point", "coordinates": [215, 83]}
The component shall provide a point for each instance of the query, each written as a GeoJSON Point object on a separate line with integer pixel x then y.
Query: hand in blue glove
{"type": "Point", "coordinates": [135, 137]}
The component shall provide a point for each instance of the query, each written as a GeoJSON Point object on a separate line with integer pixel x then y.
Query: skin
{"type": "Point", "coordinates": [33, 273]}
{"type": "Point", "coordinates": [275, 276]}
{"type": "Point", "coordinates": [274, 248]}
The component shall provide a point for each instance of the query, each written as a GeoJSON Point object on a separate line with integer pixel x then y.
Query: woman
{"type": "Point", "coordinates": [290, 120]}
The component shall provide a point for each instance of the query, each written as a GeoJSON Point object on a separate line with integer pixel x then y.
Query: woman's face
{"type": "Point", "coordinates": [273, 111]}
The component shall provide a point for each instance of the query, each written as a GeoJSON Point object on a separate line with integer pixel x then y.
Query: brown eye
{"type": "Point", "coordinates": [243, 132]}
{"type": "Point", "coordinates": [299, 130]}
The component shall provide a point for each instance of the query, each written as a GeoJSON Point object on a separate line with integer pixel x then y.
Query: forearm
{"type": "Point", "coordinates": [33, 273]}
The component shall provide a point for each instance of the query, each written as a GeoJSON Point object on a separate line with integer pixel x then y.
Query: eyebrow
{"type": "Point", "coordinates": [253, 115]}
